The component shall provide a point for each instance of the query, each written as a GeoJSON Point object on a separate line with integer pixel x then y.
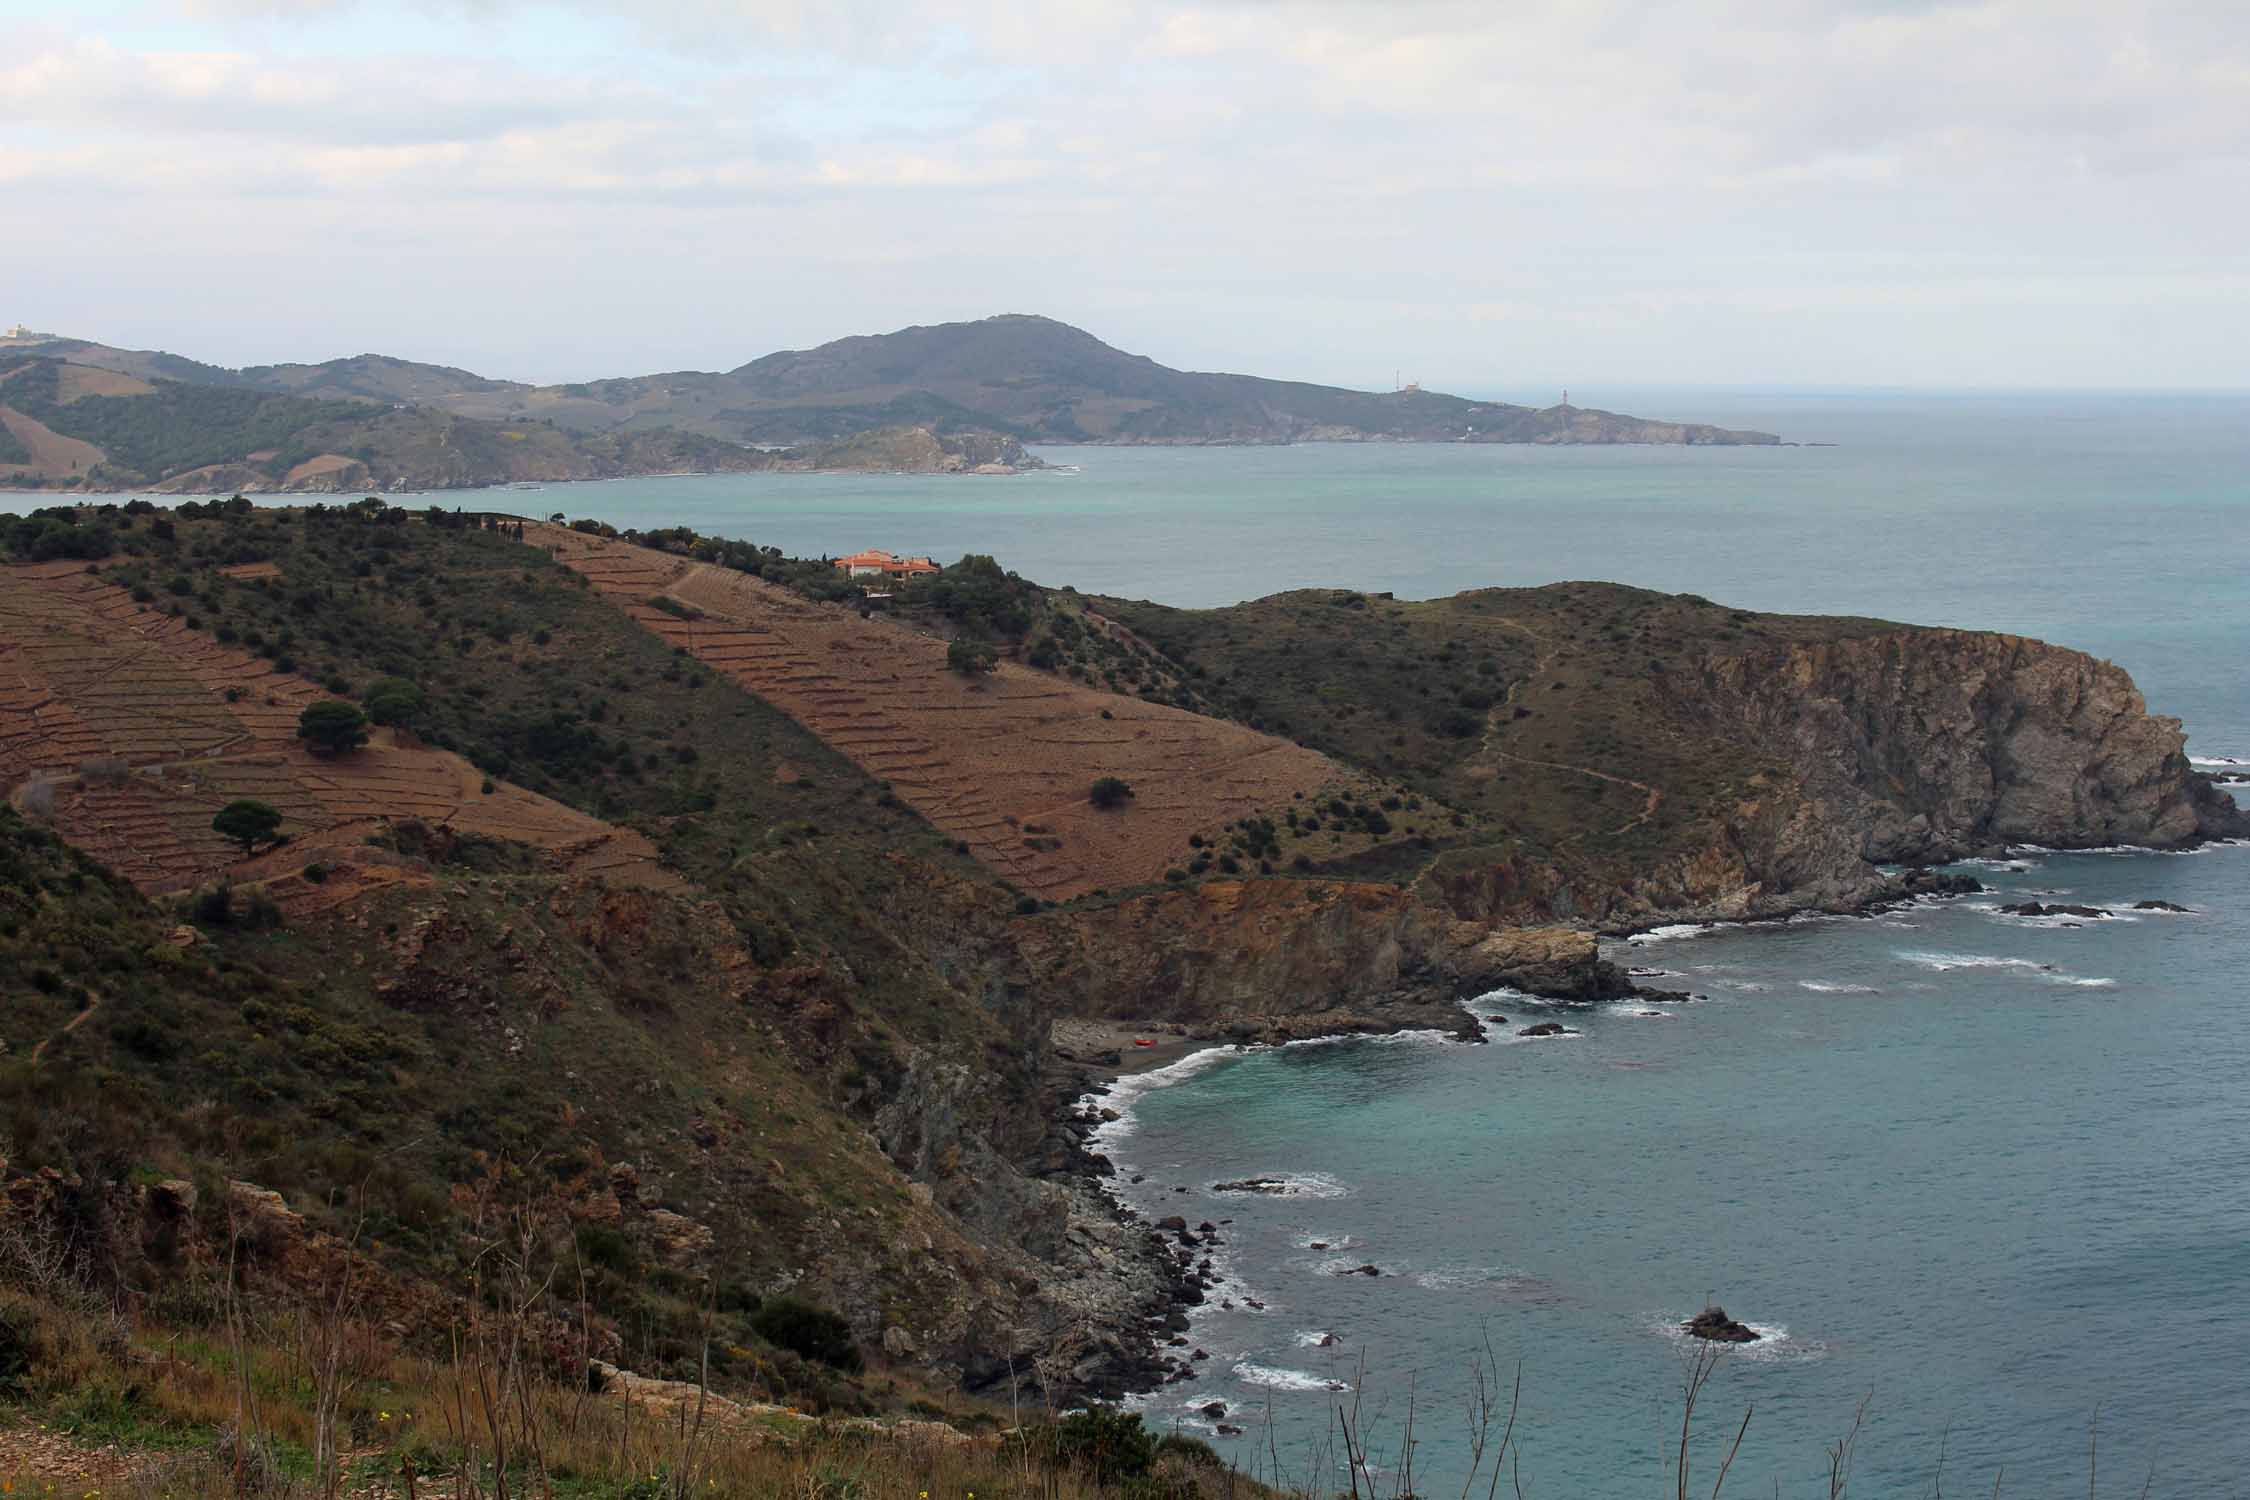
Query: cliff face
{"type": "Point", "coordinates": [1926, 745]}
{"type": "Point", "coordinates": [1904, 746]}
{"type": "Point", "coordinates": [1272, 959]}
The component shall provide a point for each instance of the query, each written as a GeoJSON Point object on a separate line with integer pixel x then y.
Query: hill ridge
{"type": "Point", "coordinates": [1025, 375]}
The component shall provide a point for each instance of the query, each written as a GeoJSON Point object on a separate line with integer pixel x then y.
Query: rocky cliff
{"type": "Point", "coordinates": [1916, 746]}
{"type": "Point", "coordinates": [1269, 960]}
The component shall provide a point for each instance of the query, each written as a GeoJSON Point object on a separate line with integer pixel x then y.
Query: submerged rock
{"type": "Point", "coordinates": [1252, 1185]}
{"type": "Point", "coordinates": [1547, 1028]}
{"type": "Point", "coordinates": [2159, 906]}
{"type": "Point", "coordinates": [2034, 909]}
{"type": "Point", "coordinates": [1713, 1323]}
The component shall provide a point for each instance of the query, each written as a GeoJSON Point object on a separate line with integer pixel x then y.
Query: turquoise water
{"type": "Point", "coordinates": [1991, 1197]}
{"type": "Point", "coordinates": [1990, 1173]}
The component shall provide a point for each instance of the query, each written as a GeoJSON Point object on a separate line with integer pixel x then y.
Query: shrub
{"type": "Point", "coordinates": [332, 727]}
{"type": "Point", "coordinates": [1108, 1445]}
{"type": "Point", "coordinates": [802, 1328]}
{"type": "Point", "coordinates": [248, 823]}
{"type": "Point", "coordinates": [394, 700]}
{"type": "Point", "coordinates": [1109, 791]}
{"type": "Point", "coordinates": [968, 657]}
{"type": "Point", "coordinates": [213, 906]}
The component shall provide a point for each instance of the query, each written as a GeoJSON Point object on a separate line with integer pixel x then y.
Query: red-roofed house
{"type": "Point", "coordinates": [876, 563]}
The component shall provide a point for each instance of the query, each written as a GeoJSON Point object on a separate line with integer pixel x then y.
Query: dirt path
{"type": "Point", "coordinates": [93, 1003]}
{"type": "Point", "coordinates": [1652, 797]}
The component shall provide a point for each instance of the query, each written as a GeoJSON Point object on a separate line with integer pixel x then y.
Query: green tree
{"type": "Point", "coordinates": [1109, 791]}
{"type": "Point", "coordinates": [248, 823]}
{"type": "Point", "coordinates": [332, 727]}
{"type": "Point", "coordinates": [394, 700]}
{"type": "Point", "coordinates": [967, 656]}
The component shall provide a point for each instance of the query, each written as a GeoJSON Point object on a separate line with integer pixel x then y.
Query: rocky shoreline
{"type": "Point", "coordinates": [1164, 1266]}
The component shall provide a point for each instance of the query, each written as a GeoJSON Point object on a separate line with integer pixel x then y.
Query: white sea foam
{"type": "Point", "coordinates": [1458, 1278]}
{"type": "Point", "coordinates": [1420, 1037]}
{"type": "Point", "coordinates": [1775, 1344]}
{"type": "Point", "coordinates": [1671, 931]}
{"type": "Point", "coordinates": [1310, 1338]}
{"type": "Point", "coordinates": [1285, 1380]}
{"type": "Point", "coordinates": [1834, 987]}
{"type": "Point", "coordinates": [1947, 962]}
{"type": "Point", "coordinates": [1313, 1241]}
{"type": "Point", "coordinates": [1943, 962]}
{"type": "Point", "coordinates": [2222, 761]}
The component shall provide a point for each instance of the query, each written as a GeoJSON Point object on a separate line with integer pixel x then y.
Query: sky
{"type": "Point", "coordinates": [1482, 194]}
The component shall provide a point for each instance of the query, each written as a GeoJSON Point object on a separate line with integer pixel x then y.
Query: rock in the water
{"type": "Point", "coordinates": [1252, 1185]}
{"type": "Point", "coordinates": [1174, 1224]}
{"type": "Point", "coordinates": [1213, 1409]}
{"type": "Point", "coordinates": [2158, 906]}
{"type": "Point", "coordinates": [1327, 1341]}
{"type": "Point", "coordinates": [1937, 883]}
{"type": "Point", "coordinates": [1713, 1323]}
{"type": "Point", "coordinates": [1547, 1028]}
{"type": "Point", "coordinates": [1227, 1431]}
{"type": "Point", "coordinates": [2034, 909]}
{"type": "Point", "coordinates": [1497, 1020]}
{"type": "Point", "coordinates": [1369, 1270]}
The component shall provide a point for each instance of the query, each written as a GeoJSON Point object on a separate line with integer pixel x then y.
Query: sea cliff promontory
{"type": "Point", "coordinates": [710, 917]}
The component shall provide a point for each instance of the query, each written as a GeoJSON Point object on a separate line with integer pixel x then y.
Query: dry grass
{"type": "Point", "coordinates": [169, 1414]}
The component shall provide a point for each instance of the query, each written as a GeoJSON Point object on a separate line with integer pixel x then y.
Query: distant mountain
{"type": "Point", "coordinates": [66, 425]}
{"type": "Point", "coordinates": [1045, 381]}
{"type": "Point", "coordinates": [1026, 377]}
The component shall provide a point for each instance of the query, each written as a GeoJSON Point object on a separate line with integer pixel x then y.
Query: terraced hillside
{"type": "Point", "coordinates": [1002, 761]}
{"type": "Point", "coordinates": [129, 730]}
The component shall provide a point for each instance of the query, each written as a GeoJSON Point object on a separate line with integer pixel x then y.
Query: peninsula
{"type": "Point", "coordinates": [951, 398]}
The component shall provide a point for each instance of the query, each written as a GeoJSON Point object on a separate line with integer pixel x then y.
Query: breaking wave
{"type": "Point", "coordinates": [1276, 1379]}
{"type": "Point", "coordinates": [1671, 931]}
{"type": "Point", "coordinates": [1941, 963]}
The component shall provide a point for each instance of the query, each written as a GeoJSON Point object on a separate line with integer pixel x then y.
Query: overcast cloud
{"type": "Point", "coordinates": [1490, 195]}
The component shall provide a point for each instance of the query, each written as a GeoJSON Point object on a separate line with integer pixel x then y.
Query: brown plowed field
{"type": "Point", "coordinates": [51, 452]}
{"type": "Point", "coordinates": [116, 724]}
{"type": "Point", "coordinates": [1003, 761]}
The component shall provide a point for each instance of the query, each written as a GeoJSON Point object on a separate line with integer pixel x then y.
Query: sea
{"type": "Point", "coordinates": [1981, 1182]}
